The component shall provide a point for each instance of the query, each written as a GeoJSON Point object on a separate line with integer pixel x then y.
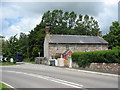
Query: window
{"type": "Point", "coordinates": [75, 47]}
{"type": "Point", "coordinates": [86, 48]}
{"type": "Point", "coordinates": [67, 46]}
{"type": "Point", "coordinates": [97, 46]}
{"type": "Point", "coordinates": [58, 47]}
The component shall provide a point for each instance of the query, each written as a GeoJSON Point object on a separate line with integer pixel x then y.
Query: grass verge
{"type": "Point", "coordinates": [3, 87]}
{"type": "Point", "coordinates": [28, 61]}
{"type": "Point", "coordinates": [6, 63]}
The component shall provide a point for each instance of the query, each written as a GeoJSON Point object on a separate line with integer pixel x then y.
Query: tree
{"type": "Point", "coordinates": [15, 45]}
{"type": "Point", "coordinates": [113, 37]}
{"type": "Point", "coordinates": [2, 36]}
{"type": "Point", "coordinates": [9, 47]}
{"type": "Point", "coordinates": [68, 23]}
{"type": "Point", "coordinates": [86, 25]}
{"type": "Point", "coordinates": [36, 40]}
{"type": "Point", "coordinates": [22, 45]}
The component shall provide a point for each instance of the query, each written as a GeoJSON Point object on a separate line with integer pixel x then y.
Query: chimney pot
{"type": "Point", "coordinates": [100, 33]}
{"type": "Point", "coordinates": [47, 29]}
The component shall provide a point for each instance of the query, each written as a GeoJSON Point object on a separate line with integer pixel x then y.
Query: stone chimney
{"type": "Point", "coordinates": [100, 34]}
{"type": "Point", "coordinates": [47, 29]}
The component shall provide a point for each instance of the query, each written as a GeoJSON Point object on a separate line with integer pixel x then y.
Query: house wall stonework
{"type": "Point", "coordinates": [54, 50]}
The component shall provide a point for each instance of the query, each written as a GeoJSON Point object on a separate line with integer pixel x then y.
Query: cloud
{"type": "Point", "coordinates": [13, 10]}
{"type": "Point", "coordinates": [25, 25]}
{"type": "Point", "coordinates": [110, 2]}
{"type": "Point", "coordinates": [107, 16]}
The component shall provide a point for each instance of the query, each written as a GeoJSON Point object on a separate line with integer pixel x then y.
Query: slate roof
{"type": "Point", "coordinates": [76, 39]}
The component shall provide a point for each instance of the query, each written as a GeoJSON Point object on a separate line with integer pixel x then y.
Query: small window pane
{"type": "Point", "coordinates": [58, 47]}
{"type": "Point", "coordinates": [67, 46]}
{"type": "Point", "coordinates": [97, 46]}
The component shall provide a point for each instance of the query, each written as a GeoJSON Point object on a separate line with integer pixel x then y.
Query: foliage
{"type": "Point", "coordinates": [14, 45]}
{"type": "Point", "coordinates": [113, 37]}
{"type": "Point", "coordinates": [7, 63]}
{"type": "Point", "coordinates": [1, 46]}
{"type": "Point", "coordinates": [36, 40]}
{"type": "Point", "coordinates": [3, 87]}
{"type": "Point", "coordinates": [68, 23]}
{"type": "Point", "coordinates": [85, 58]}
{"type": "Point", "coordinates": [2, 36]}
{"type": "Point", "coordinates": [9, 47]}
{"type": "Point", "coordinates": [28, 61]}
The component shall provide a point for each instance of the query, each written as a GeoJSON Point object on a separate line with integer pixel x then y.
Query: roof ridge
{"type": "Point", "coordinates": [71, 35]}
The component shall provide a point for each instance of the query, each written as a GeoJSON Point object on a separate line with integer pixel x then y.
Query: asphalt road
{"type": "Point", "coordinates": [43, 76]}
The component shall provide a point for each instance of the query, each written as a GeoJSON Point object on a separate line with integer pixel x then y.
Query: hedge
{"type": "Point", "coordinates": [85, 58]}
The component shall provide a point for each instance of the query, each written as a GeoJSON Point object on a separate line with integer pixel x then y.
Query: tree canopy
{"type": "Point", "coordinates": [69, 23]}
{"type": "Point", "coordinates": [113, 37]}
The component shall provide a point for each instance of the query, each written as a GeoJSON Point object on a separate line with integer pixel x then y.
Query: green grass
{"type": "Point", "coordinates": [6, 63]}
{"type": "Point", "coordinates": [3, 87]}
{"type": "Point", "coordinates": [28, 61]}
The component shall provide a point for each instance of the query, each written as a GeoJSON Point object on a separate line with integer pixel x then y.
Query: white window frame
{"type": "Point", "coordinates": [58, 46]}
{"type": "Point", "coordinates": [97, 47]}
{"type": "Point", "coordinates": [75, 47]}
{"type": "Point", "coordinates": [67, 46]}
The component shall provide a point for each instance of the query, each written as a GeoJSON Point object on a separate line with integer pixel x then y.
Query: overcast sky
{"type": "Point", "coordinates": [23, 16]}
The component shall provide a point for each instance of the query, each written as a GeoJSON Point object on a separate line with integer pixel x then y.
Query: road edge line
{"type": "Point", "coordinates": [7, 84]}
{"type": "Point", "coordinates": [92, 72]}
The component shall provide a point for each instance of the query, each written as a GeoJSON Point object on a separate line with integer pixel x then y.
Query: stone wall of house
{"type": "Point", "coordinates": [53, 50]}
{"type": "Point", "coordinates": [113, 67]}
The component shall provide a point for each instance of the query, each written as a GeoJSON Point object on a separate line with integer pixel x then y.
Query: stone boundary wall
{"type": "Point", "coordinates": [40, 60]}
{"type": "Point", "coordinates": [113, 67]}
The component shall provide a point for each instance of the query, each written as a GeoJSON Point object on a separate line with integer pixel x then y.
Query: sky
{"type": "Point", "coordinates": [22, 16]}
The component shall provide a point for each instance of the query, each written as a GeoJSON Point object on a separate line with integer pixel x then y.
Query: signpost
{"type": "Point", "coordinates": [70, 61]}
{"type": "Point", "coordinates": [39, 54]}
{"type": "Point", "coordinates": [11, 60]}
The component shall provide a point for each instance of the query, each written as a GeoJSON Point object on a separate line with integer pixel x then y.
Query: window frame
{"type": "Point", "coordinates": [58, 46]}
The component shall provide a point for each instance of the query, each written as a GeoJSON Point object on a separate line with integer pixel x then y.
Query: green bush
{"type": "Point", "coordinates": [85, 58]}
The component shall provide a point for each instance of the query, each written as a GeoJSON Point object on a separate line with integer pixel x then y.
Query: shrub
{"type": "Point", "coordinates": [85, 58]}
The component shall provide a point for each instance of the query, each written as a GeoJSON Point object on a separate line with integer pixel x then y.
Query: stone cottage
{"type": "Point", "coordinates": [57, 45]}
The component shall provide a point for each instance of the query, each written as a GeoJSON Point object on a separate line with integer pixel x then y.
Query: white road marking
{"type": "Point", "coordinates": [75, 85]}
{"type": "Point", "coordinates": [7, 84]}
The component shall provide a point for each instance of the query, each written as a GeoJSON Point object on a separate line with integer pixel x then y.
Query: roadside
{"type": "Point", "coordinates": [32, 62]}
{"type": "Point", "coordinates": [28, 61]}
{"type": "Point", "coordinates": [92, 72]}
{"type": "Point", "coordinates": [4, 87]}
{"type": "Point", "coordinates": [6, 63]}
